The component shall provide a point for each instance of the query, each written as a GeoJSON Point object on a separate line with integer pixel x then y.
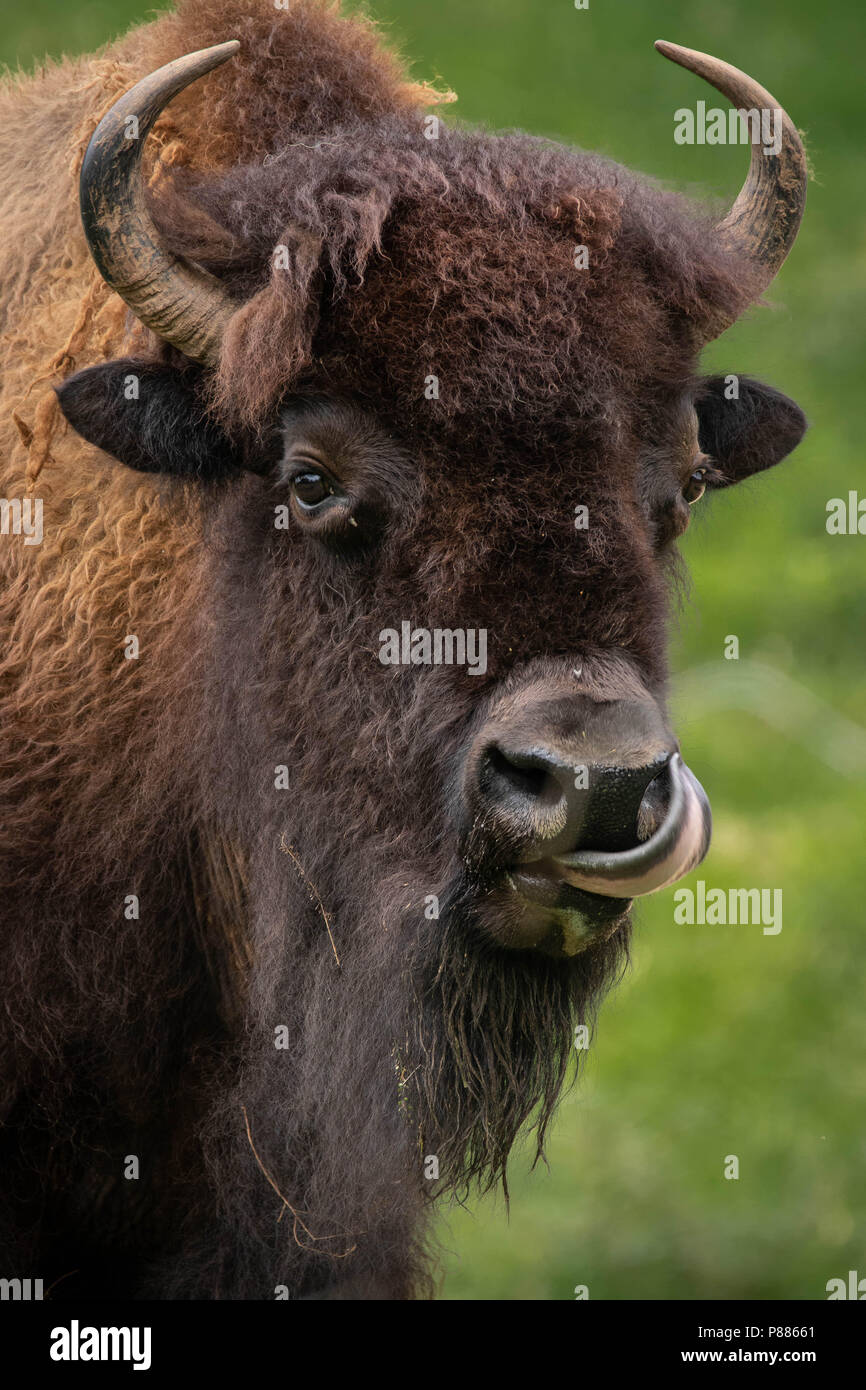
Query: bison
{"type": "Point", "coordinates": [333, 690]}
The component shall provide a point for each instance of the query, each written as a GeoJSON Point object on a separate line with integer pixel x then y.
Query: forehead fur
{"type": "Point", "coordinates": [369, 257]}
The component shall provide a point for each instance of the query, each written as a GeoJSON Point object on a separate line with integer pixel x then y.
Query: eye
{"type": "Point", "coordinates": [311, 487]}
{"type": "Point", "coordinates": [694, 489]}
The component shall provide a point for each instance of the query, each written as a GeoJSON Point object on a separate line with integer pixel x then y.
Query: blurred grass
{"type": "Point", "coordinates": [721, 1040]}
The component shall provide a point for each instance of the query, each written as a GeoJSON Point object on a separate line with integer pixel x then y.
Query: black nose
{"type": "Point", "coordinates": [545, 800]}
{"type": "Point", "coordinates": [573, 803]}
{"type": "Point", "coordinates": [550, 773]}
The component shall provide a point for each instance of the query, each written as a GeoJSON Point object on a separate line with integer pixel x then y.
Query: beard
{"type": "Point", "coordinates": [406, 1039]}
{"type": "Point", "coordinates": [489, 1040]}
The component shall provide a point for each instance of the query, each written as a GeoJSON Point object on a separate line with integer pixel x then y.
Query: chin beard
{"type": "Point", "coordinates": [488, 1040]}
{"type": "Point", "coordinates": [428, 1039]}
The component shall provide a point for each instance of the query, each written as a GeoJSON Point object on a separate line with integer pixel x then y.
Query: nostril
{"type": "Point", "coordinates": [547, 776]}
{"type": "Point", "coordinates": [519, 777]}
{"type": "Point", "coordinates": [529, 781]}
{"type": "Point", "coordinates": [535, 795]}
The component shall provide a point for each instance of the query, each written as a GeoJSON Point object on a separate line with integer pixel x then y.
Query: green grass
{"type": "Point", "coordinates": [721, 1040]}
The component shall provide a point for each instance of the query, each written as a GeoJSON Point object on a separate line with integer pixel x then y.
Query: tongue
{"type": "Point", "coordinates": [675, 838]}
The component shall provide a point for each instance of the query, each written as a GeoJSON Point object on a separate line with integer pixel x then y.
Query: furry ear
{"type": "Point", "coordinates": [150, 417]}
{"type": "Point", "coordinates": [746, 433]}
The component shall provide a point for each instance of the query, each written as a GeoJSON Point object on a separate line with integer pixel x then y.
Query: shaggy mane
{"type": "Point", "coordinates": [151, 1033]}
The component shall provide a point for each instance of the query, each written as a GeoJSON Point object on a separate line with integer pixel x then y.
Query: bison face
{"type": "Point", "coordinates": [440, 400]}
{"type": "Point", "coordinates": [465, 587]}
{"type": "Point", "coordinates": [478, 674]}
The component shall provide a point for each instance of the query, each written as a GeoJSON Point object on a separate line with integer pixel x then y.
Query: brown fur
{"type": "Point", "coordinates": [155, 776]}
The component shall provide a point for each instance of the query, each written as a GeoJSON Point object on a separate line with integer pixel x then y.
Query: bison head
{"type": "Point", "coordinates": [440, 399]}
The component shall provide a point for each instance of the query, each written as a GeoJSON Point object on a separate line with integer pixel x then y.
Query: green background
{"type": "Point", "coordinates": [721, 1040]}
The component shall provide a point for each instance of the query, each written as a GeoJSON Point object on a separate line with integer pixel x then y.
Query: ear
{"type": "Point", "coordinates": [150, 417]}
{"type": "Point", "coordinates": [746, 432]}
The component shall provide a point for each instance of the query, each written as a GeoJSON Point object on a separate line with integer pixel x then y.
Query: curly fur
{"type": "Point", "coordinates": [301, 1167]}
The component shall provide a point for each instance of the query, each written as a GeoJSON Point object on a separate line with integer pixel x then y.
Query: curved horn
{"type": "Point", "coordinates": [186, 307]}
{"type": "Point", "coordinates": [762, 225]}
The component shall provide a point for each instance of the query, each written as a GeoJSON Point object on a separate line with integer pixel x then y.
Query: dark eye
{"type": "Point", "coordinates": [311, 488]}
{"type": "Point", "coordinates": [696, 486]}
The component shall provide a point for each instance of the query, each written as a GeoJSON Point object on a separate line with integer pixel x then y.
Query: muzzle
{"type": "Point", "coordinates": [577, 800]}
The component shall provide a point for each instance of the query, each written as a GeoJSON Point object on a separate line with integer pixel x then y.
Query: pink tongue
{"type": "Point", "coordinates": [677, 846]}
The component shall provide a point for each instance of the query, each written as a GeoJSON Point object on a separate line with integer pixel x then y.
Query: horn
{"type": "Point", "coordinates": [186, 307]}
{"type": "Point", "coordinates": [762, 225]}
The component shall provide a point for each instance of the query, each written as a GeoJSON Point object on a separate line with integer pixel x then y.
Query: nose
{"type": "Point", "coordinates": [550, 803]}
{"type": "Point", "coordinates": [592, 790]}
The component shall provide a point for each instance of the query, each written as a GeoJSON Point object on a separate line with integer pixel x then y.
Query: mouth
{"type": "Point", "coordinates": [576, 900]}
{"type": "Point", "coordinates": [546, 912]}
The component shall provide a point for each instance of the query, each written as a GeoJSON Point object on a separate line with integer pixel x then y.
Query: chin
{"type": "Point", "coordinates": [533, 911]}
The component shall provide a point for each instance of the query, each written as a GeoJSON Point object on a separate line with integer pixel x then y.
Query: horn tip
{"type": "Point", "coordinates": [218, 53]}
{"type": "Point", "coordinates": [674, 51]}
